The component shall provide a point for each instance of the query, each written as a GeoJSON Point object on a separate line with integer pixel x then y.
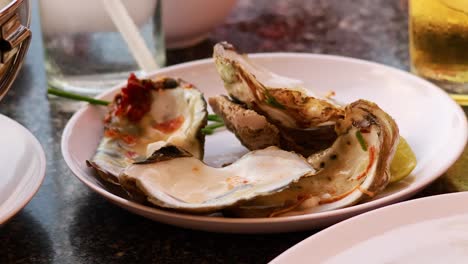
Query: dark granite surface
{"type": "Point", "coordinates": [68, 223]}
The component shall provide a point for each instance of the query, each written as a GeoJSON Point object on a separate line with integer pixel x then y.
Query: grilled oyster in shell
{"type": "Point", "coordinates": [305, 123]}
{"type": "Point", "coordinates": [354, 168]}
{"type": "Point", "coordinates": [146, 112]}
{"type": "Point", "coordinates": [173, 178]}
{"type": "Point", "coordinates": [282, 100]}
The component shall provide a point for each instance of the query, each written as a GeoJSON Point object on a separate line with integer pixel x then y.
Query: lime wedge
{"type": "Point", "coordinates": [403, 162]}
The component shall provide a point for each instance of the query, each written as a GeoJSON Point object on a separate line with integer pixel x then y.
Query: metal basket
{"type": "Point", "coordinates": [15, 37]}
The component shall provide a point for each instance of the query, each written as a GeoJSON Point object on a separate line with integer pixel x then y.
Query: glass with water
{"type": "Point", "coordinates": [85, 52]}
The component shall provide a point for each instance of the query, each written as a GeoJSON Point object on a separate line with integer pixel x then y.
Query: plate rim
{"type": "Point", "coordinates": [350, 222]}
{"type": "Point", "coordinates": [357, 209]}
{"type": "Point", "coordinates": [39, 174]}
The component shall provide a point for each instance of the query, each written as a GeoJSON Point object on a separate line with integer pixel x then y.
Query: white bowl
{"type": "Point", "coordinates": [187, 22]}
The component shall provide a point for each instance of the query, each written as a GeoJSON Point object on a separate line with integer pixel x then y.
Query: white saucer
{"type": "Point", "coordinates": [424, 231]}
{"type": "Point", "coordinates": [22, 166]}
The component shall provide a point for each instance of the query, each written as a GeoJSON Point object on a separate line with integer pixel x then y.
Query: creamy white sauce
{"type": "Point", "coordinates": [351, 162]}
{"type": "Point", "coordinates": [189, 181]}
{"type": "Point", "coordinates": [167, 105]}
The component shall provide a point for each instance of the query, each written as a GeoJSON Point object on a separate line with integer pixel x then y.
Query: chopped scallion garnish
{"type": "Point", "coordinates": [215, 118]}
{"type": "Point", "coordinates": [272, 101]}
{"type": "Point", "coordinates": [210, 129]}
{"type": "Point", "coordinates": [361, 140]}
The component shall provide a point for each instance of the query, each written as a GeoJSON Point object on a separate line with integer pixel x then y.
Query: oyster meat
{"type": "Point", "coordinates": [173, 178]}
{"type": "Point", "coordinates": [146, 112]}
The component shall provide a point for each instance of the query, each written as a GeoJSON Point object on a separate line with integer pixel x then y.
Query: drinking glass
{"type": "Point", "coordinates": [439, 42]}
{"type": "Point", "coordinates": [84, 51]}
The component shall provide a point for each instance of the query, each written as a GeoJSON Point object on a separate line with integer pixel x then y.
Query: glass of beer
{"type": "Point", "coordinates": [439, 42]}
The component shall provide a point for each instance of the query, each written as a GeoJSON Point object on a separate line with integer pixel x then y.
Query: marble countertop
{"type": "Point", "coordinates": [68, 223]}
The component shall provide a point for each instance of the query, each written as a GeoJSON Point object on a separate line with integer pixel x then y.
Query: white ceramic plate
{"type": "Point", "coordinates": [434, 125]}
{"type": "Point", "coordinates": [427, 230]}
{"type": "Point", "coordinates": [22, 166]}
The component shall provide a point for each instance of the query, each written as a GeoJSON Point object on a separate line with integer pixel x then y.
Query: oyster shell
{"type": "Point", "coordinates": [254, 131]}
{"type": "Point", "coordinates": [354, 168]}
{"type": "Point", "coordinates": [282, 100]}
{"type": "Point", "coordinates": [146, 112]}
{"type": "Point", "coordinates": [173, 178]}
{"type": "Point", "coordinates": [305, 123]}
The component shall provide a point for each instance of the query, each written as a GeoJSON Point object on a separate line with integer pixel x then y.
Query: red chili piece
{"type": "Point", "coordinates": [134, 101]}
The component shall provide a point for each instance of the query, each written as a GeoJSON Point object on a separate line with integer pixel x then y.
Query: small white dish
{"type": "Point", "coordinates": [22, 163]}
{"type": "Point", "coordinates": [433, 124]}
{"type": "Point", "coordinates": [428, 231]}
